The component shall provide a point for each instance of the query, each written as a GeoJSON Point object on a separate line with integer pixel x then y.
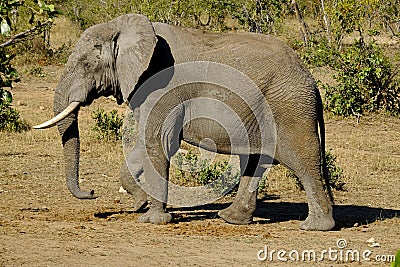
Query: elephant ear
{"type": "Point", "coordinates": [134, 48]}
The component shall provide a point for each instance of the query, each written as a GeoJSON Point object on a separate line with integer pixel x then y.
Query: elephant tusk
{"type": "Point", "coordinates": [59, 117]}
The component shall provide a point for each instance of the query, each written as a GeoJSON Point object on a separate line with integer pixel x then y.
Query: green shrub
{"type": "Point", "coordinates": [10, 120]}
{"type": "Point", "coordinates": [318, 53]}
{"type": "Point", "coordinates": [107, 125]}
{"type": "Point", "coordinates": [335, 173]}
{"type": "Point", "coordinates": [191, 171]}
{"type": "Point", "coordinates": [366, 82]}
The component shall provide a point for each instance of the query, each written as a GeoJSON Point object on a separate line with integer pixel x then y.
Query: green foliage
{"type": "Point", "coordinates": [107, 125]}
{"type": "Point", "coordinates": [366, 82]}
{"type": "Point", "coordinates": [9, 117]}
{"type": "Point", "coordinates": [8, 74]}
{"type": "Point", "coordinates": [345, 17]}
{"type": "Point", "coordinates": [396, 263]}
{"type": "Point", "coordinates": [257, 15]}
{"type": "Point", "coordinates": [261, 16]}
{"type": "Point", "coordinates": [17, 16]}
{"type": "Point", "coordinates": [365, 79]}
{"type": "Point", "coordinates": [319, 53]}
{"type": "Point", "coordinates": [335, 173]}
{"type": "Point", "coordinates": [263, 186]}
{"type": "Point", "coordinates": [10, 120]}
{"type": "Point", "coordinates": [191, 171]}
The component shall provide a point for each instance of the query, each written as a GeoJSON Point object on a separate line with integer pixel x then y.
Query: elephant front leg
{"type": "Point", "coordinates": [242, 209]}
{"type": "Point", "coordinates": [129, 184]}
{"type": "Point", "coordinates": [160, 125]}
{"type": "Point", "coordinates": [156, 187]}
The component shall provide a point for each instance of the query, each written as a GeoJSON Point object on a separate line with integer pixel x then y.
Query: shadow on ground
{"type": "Point", "coordinates": [346, 216]}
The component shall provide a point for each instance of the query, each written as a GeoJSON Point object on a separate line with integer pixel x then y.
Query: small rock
{"type": "Point", "coordinates": [42, 108]}
{"type": "Point", "coordinates": [122, 190]}
{"type": "Point", "coordinates": [371, 240]}
{"type": "Point", "coordinates": [374, 245]}
{"type": "Point", "coordinates": [117, 201]}
{"type": "Point", "coordinates": [356, 225]}
{"type": "Point", "coordinates": [20, 103]}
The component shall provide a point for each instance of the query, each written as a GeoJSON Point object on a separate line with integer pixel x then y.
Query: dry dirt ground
{"type": "Point", "coordinates": [41, 224]}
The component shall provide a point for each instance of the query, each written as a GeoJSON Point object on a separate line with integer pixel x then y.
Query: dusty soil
{"type": "Point", "coordinates": [41, 224]}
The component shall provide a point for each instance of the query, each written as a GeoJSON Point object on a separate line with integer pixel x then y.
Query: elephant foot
{"type": "Point", "coordinates": [236, 215]}
{"type": "Point", "coordinates": [314, 223]}
{"type": "Point", "coordinates": [155, 217]}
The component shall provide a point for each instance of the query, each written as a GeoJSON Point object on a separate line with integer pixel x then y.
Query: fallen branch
{"type": "Point", "coordinates": [26, 34]}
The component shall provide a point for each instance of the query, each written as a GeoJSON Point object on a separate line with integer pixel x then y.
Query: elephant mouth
{"type": "Point", "coordinates": [62, 115]}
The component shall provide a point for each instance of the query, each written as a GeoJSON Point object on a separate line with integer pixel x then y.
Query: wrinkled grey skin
{"type": "Point", "coordinates": [111, 58]}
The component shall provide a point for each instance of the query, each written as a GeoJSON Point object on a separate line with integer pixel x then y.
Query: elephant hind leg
{"type": "Point", "coordinates": [305, 161]}
{"type": "Point", "coordinates": [319, 204]}
{"type": "Point", "coordinates": [242, 209]}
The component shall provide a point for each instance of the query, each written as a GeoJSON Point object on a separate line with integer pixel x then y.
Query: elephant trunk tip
{"type": "Point", "coordinates": [84, 195]}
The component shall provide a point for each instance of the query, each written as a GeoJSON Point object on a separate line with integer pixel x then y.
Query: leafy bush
{"type": "Point", "coordinates": [366, 82]}
{"type": "Point", "coordinates": [10, 120]}
{"type": "Point", "coordinates": [107, 125]}
{"type": "Point", "coordinates": [191, 171]}
{"type": "Point", "coordinates": [319, 53]}
{"type": "Point", "coordinates": [335, 173]}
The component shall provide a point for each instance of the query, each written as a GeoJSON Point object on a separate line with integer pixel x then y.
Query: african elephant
{"type": "Point", "coordinates": [119, 57]}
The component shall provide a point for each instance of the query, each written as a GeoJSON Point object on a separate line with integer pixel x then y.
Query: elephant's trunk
{"type": "Point", "coordinates": [69, 132]}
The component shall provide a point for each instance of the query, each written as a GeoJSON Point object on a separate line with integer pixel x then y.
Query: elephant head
{"type": "Point", "coordinates": [109, 59]}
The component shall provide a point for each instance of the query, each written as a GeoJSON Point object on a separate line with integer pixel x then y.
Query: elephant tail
{"type": "Point", "coordinates": [321, 124]}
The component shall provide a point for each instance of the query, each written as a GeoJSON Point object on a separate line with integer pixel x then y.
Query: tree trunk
{"type": "Point", "coordinates": [326, 21]}
{"type": "Point", "coordinates": [303, 25]}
